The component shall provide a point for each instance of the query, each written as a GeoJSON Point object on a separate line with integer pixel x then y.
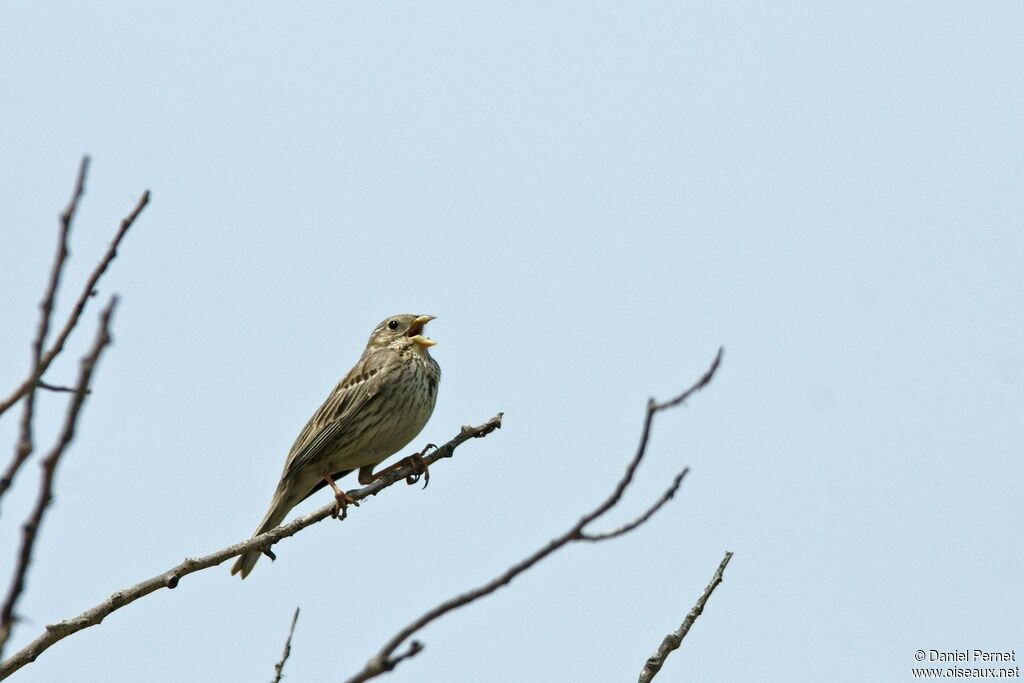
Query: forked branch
{"type": "Point", "coordinates": [41, 359]}
{"type": "Point", "coordinates": [30, 530]}
{"type": "Point", "coordinates": [389, 656]}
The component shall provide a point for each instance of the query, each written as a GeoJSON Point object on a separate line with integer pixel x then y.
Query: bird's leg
{"type": "Point", "coordinates": [341, 499]}
{"type": "Point", "coordinates": [416, 461]}
{"type": "Point", "coordinates": [366, 475]}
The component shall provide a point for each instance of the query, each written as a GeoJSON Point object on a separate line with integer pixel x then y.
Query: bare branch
{"type": "Point", "coordinates": [171, 577]}
{"type": "Point", "coordinates": [279, 667]}
{"type": "Point", "coordinates": [25, 445]}
{"type": "Point", "coordinates": [673, 640]}
{"type": "Point", "coordinates": [385, 660]}
{"type": "Point", "coordinates": [87, 292]}
{"type": "Point", "coordinates": [49, 464]}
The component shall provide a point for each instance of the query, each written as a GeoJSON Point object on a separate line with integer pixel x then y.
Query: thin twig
{"type": "Point", "coordinates": [49, 464]}
{"type": "Point", "coordinates": [59, 389]}
{"type": "Point", "coordinates": [171, 577]}
{"type": "Point", "coordinates": [673, 640]}
{"type": "Point", "coordinates": [385, 660]}
{"type": "Point", "coordinates": [25, 445]}
{"type": "Point", "coordinates": [87, 292]}
{"type": "Point", "coordinates": [279, 667]}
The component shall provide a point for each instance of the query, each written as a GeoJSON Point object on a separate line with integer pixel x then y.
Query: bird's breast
{"type": "Point", "coordinates": [394, 416]}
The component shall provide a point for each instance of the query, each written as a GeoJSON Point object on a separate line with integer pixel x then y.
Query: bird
{"type": "Point", "coordinates": [375, 410]}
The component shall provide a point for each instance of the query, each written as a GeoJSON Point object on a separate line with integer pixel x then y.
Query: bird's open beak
{"type": "Point", "coordinates": [416, 331]}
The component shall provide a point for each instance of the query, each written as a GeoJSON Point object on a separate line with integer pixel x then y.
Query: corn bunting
{"type": "Point", "coordinates": [376, 409]}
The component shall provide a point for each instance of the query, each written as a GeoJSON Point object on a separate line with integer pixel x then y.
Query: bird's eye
{"type": "Point", "coordinates": [392, 325]}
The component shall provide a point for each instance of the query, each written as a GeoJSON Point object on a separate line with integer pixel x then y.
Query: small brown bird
{"type": "Point", "coordinates": [376, 409]}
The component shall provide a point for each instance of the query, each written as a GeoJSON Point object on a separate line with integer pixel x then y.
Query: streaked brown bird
{"type": "Point", "coordinates": [375, 411]}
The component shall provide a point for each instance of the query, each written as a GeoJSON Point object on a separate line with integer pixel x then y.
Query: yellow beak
{"type": "Point", "coordinates": [417, 327]}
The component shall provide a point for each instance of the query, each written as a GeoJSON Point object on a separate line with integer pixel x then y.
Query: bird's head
{"type": "Point", "coordinates": [401, 332]}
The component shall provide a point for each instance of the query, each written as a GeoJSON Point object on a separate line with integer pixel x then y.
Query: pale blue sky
{"type": "Point", "coordinates": [591, 199]}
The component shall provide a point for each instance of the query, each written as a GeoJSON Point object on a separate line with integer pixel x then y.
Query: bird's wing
{"type": "Point", "coordinates": [334, 417]}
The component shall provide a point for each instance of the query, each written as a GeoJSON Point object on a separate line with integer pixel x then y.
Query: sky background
{"type": "Point", "coordinates": [591, 198]}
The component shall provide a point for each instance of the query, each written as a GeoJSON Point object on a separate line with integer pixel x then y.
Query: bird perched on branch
{"type": "Point", "coordinates": [376, 409]}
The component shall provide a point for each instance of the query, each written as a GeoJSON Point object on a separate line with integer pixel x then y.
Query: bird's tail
{"type": "Point", "coordinates": [279, 508]}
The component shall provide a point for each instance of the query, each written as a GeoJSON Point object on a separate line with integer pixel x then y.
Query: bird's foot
{"type": "Point", "coordinates": [418, 464]}
{"type": "Point", "coordinates": [341, 502]}
{"type": "Point", "coordinates": [341, 499]}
